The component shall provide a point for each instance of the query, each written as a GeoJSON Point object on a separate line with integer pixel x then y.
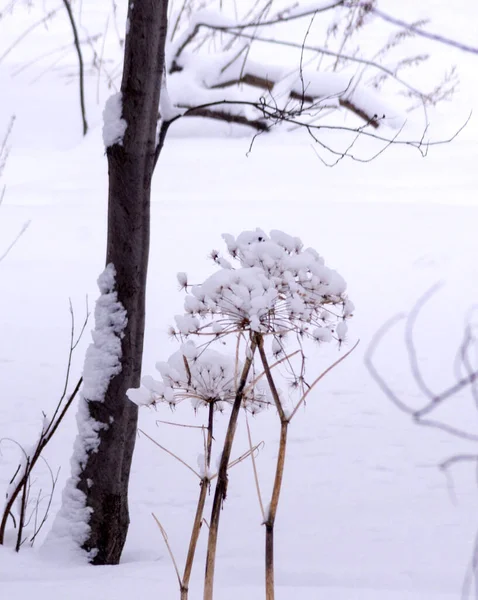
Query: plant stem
{"type": "Point", "coordinates": [21, 520]}
{"type": "Point", "coordinates": [200, 508]}
{"type": "Point", "coordinates": [221, 487]}
{"type": "Point", "coordinates": [194, 538]}
{"type": "Point", "coordinates": [31, 461]}
{"type": "Point", "coordinates": [270, 521]}
{"type": "Point", "coordinates": [271, 516]}
{"type": "Point", "coordinates": [270, 381]}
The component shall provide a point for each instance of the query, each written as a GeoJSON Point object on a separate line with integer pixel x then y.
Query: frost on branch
{"type": "Point", "coordinates": [102, 362]}
{"type": "Point", "coordinates": [203, 376]}
{"type": "Point", "coordinates": [273, 285]}
{"type": "Point", "coordinates": [114, 126]}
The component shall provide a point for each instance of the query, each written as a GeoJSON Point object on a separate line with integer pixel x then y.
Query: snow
{"type": "Point", "coordinates": [377, 519]}
{"type": "Point", "coordinates": [114, 126]}
{"type": "Point", "coordinates": [102, 362]}
{"type": "Point", "coordinates": [210, 378]}
{"type": "Point", "coordinates": [277, 286]}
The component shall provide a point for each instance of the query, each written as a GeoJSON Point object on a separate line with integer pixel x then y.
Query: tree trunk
{"type": "Point", "coordinates": [130, 167]}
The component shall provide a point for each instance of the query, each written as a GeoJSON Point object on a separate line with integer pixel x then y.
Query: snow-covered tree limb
{"type": "Point", "coordinates": [301, 90]}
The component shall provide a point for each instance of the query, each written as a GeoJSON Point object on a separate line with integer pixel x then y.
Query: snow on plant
{"type": "Point", "coordinates": [271, 295]}
{"type": "Point", "coordinates": [204, 376]}
{"type": "Point", "coordinates": [208, 379]}
{"type": "Point", "coordinates": [102, 363]}
{"type": "Point", "coordinates": [278, 287]}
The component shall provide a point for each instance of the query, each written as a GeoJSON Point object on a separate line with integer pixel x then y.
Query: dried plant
{"type": "Point", "coordinates": [269, 300]}
{"type": "Point", "coordinates": [19, 489]}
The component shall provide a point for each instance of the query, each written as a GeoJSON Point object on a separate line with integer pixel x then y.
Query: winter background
{"type": "Point", "coordinates": [365, 512]}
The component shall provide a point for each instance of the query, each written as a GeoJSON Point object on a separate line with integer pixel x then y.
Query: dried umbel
{"type": "Point", "coordinates": [203, 376]}
{"type": "Point", "coordinates": [271, 293]}
{"type": "Point", "coordinates": [273, 285]}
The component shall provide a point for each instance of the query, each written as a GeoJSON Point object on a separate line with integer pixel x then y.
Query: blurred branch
{"type": "Point", "coordinates": [81, 75]}
{"type": "Point", "coordinates": [408, 26]}
{"type": "Point", "coordinates": [435, 400]}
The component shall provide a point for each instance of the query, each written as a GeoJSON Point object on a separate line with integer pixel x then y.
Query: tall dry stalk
{"type": "Point", "coordinates": [278, 289]}
{"type": "Point", "coordinates": [222, 480]}
{"type": "Point", "coordinates": [285, 419]}
{"type": "Point", "coordinates": [198, 519]}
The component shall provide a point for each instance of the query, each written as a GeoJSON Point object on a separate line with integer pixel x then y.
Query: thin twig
{"type": "Point", "coordinates": [321, 376]}
{"type": "Point", "coordinates": [254, 468]}
{"type": "Point", "coordinates": [165, 538]}
{"type": "Point", "coordinates": [76, 39]}
{"type": "Point", "coordinates": [171, 454]}
{"type": "Point", "coordinates": [27, 31]}
{"type": "Point", "coordinates": [427, 34]}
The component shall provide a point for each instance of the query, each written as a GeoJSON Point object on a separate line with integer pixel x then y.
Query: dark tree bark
{"type": "Point", "coordinates": [130, 167]}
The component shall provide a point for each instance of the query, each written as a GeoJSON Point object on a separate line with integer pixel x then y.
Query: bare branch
{"type": "Point", "coordinates": [27, 31]}
{"type": "Point", "coordinates": [76, 39]}
{"type": "Point", "coordinates": [24, 227]}
{"type": "Point", "coordinates": [282, 17]}
{"type": "Point", "coordinates": [427, 34]}
{"type": "Point", "coordinates": [410, 342]}
{"type": "Point", "coordinates": [321, 376]}
{"type": "Point", "coordinates": [436, 399]}
{"type": "Point", "coordinates": [227, 117]}
{"type": "Point", "coordinates": [458, 458]}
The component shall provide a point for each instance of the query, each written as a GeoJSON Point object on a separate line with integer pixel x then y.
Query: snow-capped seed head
{"type": "Point", "coordinates": [189, 350]}
{"type": "Point", "coordinates": [215, 255]}
{"type": "Point", "coordinates": [277, 286]}
{"type": "Point", "coordinates": [225, 264]}
{"type": "Point", "coordinates": [349, 307]}
{"type": "Point", "coordinates": [322, 334]}
{"type": "Point", "coordinates": [204, 377]}
{"type": "Point", "coordinates": [341, 331]}
{"type": "Point", "coordinates": [187, 323]}
{"type": "Point", "coordinates": [140, 396]}
{"type": "Point", "coordinates": [293, 245]}
{"type": "Point", "coordinates": [182, 280]}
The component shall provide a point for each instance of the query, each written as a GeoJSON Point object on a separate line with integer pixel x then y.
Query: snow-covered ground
{"type": "Point", "coordinates": [365, 512]}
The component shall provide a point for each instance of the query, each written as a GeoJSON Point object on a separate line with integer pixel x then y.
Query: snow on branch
{"type": "Point", "coordinates": [230, 85]}
{"type": "Point", "coordinates": [199, 80]}
{"type": "Point", "coordinates": [230, 69]}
